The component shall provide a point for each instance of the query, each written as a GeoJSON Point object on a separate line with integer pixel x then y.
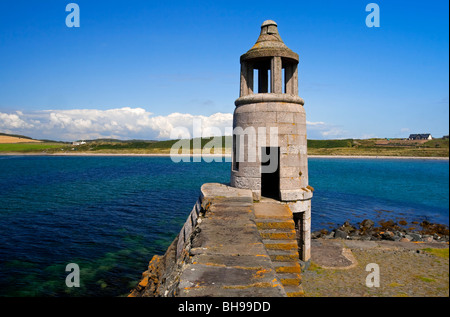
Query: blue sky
{"type": "Point", "coordinates": [137, 69]}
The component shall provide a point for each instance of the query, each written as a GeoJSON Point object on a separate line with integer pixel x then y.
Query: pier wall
{"type": "Point", "coordinates": [219, 252]}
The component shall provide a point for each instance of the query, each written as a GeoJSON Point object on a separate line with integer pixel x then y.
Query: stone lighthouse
{"type": "Point", "coordinates": [269, 130]}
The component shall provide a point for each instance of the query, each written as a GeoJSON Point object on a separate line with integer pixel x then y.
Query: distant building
{"type": "Point", "coordinates": [423, 136]}
{"type": "Point", "coordinates": [78, 143]}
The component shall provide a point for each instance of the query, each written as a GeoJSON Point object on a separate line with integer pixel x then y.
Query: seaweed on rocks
{"type": "Point", "coordinates": [387, 230]}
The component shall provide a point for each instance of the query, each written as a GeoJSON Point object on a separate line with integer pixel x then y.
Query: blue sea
{"type": "Point", "coordinates": [110, 215]}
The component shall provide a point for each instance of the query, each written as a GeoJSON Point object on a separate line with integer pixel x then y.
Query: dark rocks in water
{"type": "Point", "coordinates": [347, 228]}
{"type": "Point", "coordinates": [434, 228]}
{"type": "Point", "coordinates": [388, 230]}
{"type": "Point", "coordinates": [366, 224]}
{"type": "Point", "coordinates": [366, 227]}
{"type": "Point", "coordinates": [387, 224]}
{"type": "Point", "coordinates": [318, 234]}
{"type": "Point", "coordinates": [402, 222]}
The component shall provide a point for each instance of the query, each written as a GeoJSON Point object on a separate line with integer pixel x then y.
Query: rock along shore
{"type": "Point", "coordinates": [387, 230]}
{"type": "Point", "coordinates": [412, 259]}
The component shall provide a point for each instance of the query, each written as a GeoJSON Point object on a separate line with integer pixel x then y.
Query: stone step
{"type": "Point", "coordinates": [275, 224]}
{"type": "Point", "coordinates": [277, 229]}
{"type": "Point", "coordinates": [280, 244]}
{"type": "Point", "coordinates": [287, 267]}
{"type": "Point", "coordinates": [278, 234]}
{"type": "Point", "coordinates": [290, 279]}
{"type": "Point", "coordinates": [294, 291]}
{"type": "Point", "coordinates": [283, 255]}
{"type": "Point", "coordinates": [272, 210]}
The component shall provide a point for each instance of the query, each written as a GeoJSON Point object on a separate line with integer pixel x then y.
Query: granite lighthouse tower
{"type": "Point", "coordinates": [269, 130]}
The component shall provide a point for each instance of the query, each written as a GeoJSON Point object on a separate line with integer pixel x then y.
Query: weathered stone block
{"type": "Point", "coordinates": [289, 183]}
{"type": "Point", "coordinates": [307, 194]}
{"type": "Point", "coordinates": [291, 149]}
{"type": "Point", "coordinates": [198, 206]}
{"type": "Point", "coordinates": [292, 139]}
{"type": "Point", "coordinates": [306, 247]}
{"type": "Point", "coordinates": [306, 225]}
{"type": "Point", "coordinates": [256, 195]}
{"type": "Point", "coordinates": [250, 171]}
{"type": "Point", "coordinates": [290, 160]}
{"type": "Point", "coordinates": [246, 182]}
{"type": "Point", "coordinates": [302, 149]}
{"type": "Point", "coordinates": [301, 206]}
{"type": "Point", "coordinates": [290, 195]}
{"type": "Point", "coordinates": [289, 128]}
{"type": "Point", "coordinates": [271, 106]}
{"type": "Point", "coordinates": [290, 171]}
{"type": "Point", "coordinates": [285, 117]}
{"type": "Point", "coordinates": [294, 149]}
{"type": "Point", "coordinates": [246, 108]}
{"type": "Point", "coordinates": [307, 213]}
{"type": "Point", "coordinates": [300, 118]}
{"type": "Point", "coordinates": [262, 117]}
{"type": "Point", "coordinates": [194, 216]}
{"type": "Point", "coordinates": [283, 140]}
{"type": "Point", "coordinates": [187, 230]}
{"type": "Point", "coordinates": [180, 243]}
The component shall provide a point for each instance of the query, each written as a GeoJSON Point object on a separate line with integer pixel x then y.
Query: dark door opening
{"type": "Point", "coordinates": [270, 172]}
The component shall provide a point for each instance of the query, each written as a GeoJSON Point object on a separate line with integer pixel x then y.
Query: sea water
{"type": "Point", "coordinates": [110, 215]}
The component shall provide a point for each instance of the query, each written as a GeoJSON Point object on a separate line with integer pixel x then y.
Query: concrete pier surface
{"type": "Point", "coordinates": [228, 257]}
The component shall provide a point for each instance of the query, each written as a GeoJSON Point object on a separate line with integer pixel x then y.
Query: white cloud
{"type": "Point", "coordinates": [322, 130]}
{"type": "Point", "coordinates": [121, 123]}
{"type": "Point", "coordinates": [319, 123]}
{"type": "Point", "coordinates": [13, 121]}
{"type": "Point", "coordinates": [131, 123]}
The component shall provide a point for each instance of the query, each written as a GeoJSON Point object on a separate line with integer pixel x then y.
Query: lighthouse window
{"type": "Point", "coordinates": [256, 83]}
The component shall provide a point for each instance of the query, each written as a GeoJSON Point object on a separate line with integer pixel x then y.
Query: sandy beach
{"type": "Point", "coordinates": [217, 155]}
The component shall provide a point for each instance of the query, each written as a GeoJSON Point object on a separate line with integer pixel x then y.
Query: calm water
{"type": "Point", "coordinates": [111, 214]}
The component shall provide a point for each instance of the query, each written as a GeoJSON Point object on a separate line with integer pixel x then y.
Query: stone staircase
{"type": "Point", "coordinates": [277, 229]}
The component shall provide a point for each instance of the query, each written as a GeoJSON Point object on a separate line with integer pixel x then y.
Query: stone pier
{"type": "Point", "coordinates": [228, 247]}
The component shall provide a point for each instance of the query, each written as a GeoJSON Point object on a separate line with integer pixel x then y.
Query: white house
{"type": "Point", "coordinates": [423, 136]}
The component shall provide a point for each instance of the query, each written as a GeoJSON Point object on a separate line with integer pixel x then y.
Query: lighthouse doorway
{"type": "Point", "coordinates": [270, 172]}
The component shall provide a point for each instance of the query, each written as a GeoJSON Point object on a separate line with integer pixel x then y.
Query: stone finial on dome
{"type": "Point", "coordinates": [269, 27]}
{"type": "Point", "coordinates": [269, 43]}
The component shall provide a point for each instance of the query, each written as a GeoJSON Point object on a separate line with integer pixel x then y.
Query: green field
{"type": "Point", "coordinates": [372, 147]}
{"type": "Point", "coordinates": [328, 144]}
{"type": "Point", "coordinates": [28, 147]}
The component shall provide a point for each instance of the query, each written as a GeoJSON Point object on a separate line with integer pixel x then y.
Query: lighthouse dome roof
{"type": "Point", "coordinates": [269, 44]}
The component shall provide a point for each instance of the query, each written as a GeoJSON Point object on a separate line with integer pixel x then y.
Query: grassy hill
{"type": "Point", "coordinates": [351, 147]}
{"type": "Point", "coordinates": [380, 147]}
{"type": "Point", "coordinates": [6, 138]}
{"type": "Point", "coordinates": [17, 136]}
{"type": "Point", "coordinates": [143, 147]}
{"type": "Point", "coordinates": [24, 144]}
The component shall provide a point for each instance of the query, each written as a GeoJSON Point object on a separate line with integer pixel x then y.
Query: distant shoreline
{"type": "Point", "coordinates": [381, 157]}
{"type": "Point", "coordinates": [221, 155]}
